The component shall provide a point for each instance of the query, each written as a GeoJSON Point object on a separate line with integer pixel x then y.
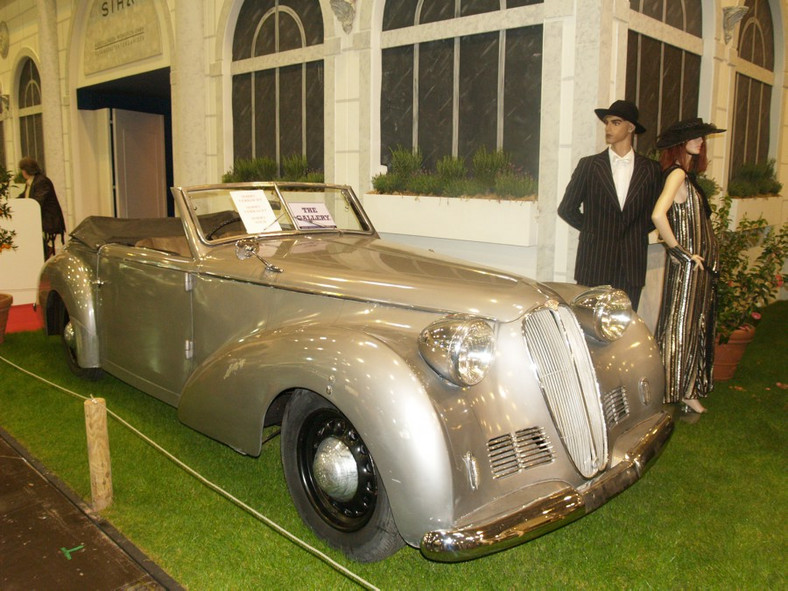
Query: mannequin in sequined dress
{"type": "Point", "coordinates": [685, 329]}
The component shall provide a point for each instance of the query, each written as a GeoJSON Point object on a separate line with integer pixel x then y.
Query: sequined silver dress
{"type": "Point", "coordinates": [685, 329]}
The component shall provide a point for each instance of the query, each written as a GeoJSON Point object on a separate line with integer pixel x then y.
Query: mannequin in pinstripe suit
{"type": "Point", "coordinates": [610, 198]}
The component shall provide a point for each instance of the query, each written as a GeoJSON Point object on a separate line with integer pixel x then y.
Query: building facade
{"type": "Point", "coordinates": [120, 99]}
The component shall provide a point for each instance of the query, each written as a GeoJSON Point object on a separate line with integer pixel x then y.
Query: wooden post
{"type": "Point", "coordinates": [98, 453]}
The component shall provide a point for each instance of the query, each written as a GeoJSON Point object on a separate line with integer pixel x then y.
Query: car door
{"type": "Point", "coordinates": [145, 318]}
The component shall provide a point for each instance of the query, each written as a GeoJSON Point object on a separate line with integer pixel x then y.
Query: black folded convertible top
{"type": "Point", "coordinates": [95, 231]}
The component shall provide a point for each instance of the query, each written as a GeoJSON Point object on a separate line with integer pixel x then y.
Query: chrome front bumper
{"type": "Point", "coordinates": [552, 511]}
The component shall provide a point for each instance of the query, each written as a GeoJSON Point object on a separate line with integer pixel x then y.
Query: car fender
{"type": "Point", "coordinates": [227, 398]}
{"type": "Point", "coordinates": [70, 279]}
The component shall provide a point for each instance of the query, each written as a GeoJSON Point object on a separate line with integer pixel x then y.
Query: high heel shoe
{"type": "Point", "coordinates": [693, 405]}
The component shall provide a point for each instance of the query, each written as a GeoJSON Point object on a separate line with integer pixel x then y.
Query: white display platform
{"type": "Point", "coordinates": [19, 268]}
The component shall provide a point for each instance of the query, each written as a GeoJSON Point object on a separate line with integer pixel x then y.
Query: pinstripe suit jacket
{"type": "Point", "coordinates": [612, 240]}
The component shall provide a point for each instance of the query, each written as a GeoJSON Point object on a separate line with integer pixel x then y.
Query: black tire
{"type": "Point", "coordinates": [350, 511]}
{"type": "Point", "coordinates": [71, 347]}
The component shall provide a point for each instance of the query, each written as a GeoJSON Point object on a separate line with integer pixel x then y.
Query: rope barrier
{"type": "Point", "coordinates": [211, 485]}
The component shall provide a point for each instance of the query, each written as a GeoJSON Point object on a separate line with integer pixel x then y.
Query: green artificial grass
{"type": "Point", "coordinates": [707, 515]}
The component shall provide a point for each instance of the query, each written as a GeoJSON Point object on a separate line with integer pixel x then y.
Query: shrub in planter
{"type": "Point", "coordinates": [492, 175]}
{"type": "Point", "coordinates": [254, 169]}
{"type": "Point", "coordinates": [488, 165]}
{"type": "Point", "coordinates": [450, 169]}
{"type": "Point", "coordinates": [511, 184]}
{"type": "Point", "coordinates": [424, 184]}
{"type": "Point", "coordinates": [755, 179]}
{"type": "Point", "coordinates": [405, 162]}
{"type": "Point", "coordinates": [388, 183]}
{"type": "Point", "coordinates": [294, 168]}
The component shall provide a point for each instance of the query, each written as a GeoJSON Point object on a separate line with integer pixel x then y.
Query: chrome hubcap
{"type": "Point", "coordinates": [335, 469]}
{"type": "Point", "coordinates": [70, 336]}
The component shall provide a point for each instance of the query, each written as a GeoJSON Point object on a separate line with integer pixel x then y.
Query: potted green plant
{"type": "Point", "coordinates": [751, 261]}
{"type": "Point", "coordinates": [6, 243]}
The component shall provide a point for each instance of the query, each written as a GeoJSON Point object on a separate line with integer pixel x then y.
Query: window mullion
{"type": "Point", "coordinates": [415, 114]}
{"type": "Point", "coordinates": [455, 102]}
{"type": "Point", "coordinates": [501, 89]}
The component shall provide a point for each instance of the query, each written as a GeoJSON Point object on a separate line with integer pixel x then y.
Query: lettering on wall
{"type": "Point", "coordinates": [120, 32]}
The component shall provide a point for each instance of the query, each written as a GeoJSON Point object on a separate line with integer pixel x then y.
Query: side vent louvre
{"type": "Point", "coordinates": [513, 452]}
{"type": "Point", "coordinates": [615, 406]}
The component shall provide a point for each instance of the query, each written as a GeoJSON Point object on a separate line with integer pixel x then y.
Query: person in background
{"type": "Point", "coordinates": [685, 329]}
{"type": "Point", "coordinates": [40, 188]}
{"type": "Point", "coordinates": [617, 190]}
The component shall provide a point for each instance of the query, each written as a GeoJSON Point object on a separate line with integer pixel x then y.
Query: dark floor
{"type": "Point", "coordinates": [48, 539]}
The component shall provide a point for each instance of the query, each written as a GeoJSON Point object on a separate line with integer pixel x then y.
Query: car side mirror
{"type": "Point", "coordinates": [247, 248]}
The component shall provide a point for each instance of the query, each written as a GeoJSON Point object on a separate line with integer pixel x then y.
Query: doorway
{"type": "Point", "coordinates": [139, 142]}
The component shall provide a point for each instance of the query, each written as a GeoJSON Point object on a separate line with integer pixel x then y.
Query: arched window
{"type": "Point", "coordinates": [663, 74]}
{"type": "Point", "coordinates": [31, 129]}
{"type": "Point", "coordinates": [278, 81]}
{"type": "Point", "coordinates": [447, 91]}
{"type": "Point", "coordinates": [754, 82]}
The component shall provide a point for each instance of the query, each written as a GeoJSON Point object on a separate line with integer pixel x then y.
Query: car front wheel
{"type": "Point", "coordinates": [333, 480]}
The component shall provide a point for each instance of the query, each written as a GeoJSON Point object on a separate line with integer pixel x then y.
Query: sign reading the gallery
{"type": "Point", "coordinates": [311, 216]}
{"type": "Point", "coordinates": [120, 32]}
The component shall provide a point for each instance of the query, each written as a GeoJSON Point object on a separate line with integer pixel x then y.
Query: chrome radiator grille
{"type": "Point", "coordinates": [512, 452]}
{"type": "Point", "coordinates": [562, 363]}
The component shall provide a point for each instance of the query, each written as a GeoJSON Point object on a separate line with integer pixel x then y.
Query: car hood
{"type": "Point", "coordinates": [371, 269]}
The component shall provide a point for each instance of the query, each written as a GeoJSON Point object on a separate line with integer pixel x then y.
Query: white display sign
{"type": "Point", "coordinates": [255, 211]}
{"type": "Point", "coordinates": [309, 216]}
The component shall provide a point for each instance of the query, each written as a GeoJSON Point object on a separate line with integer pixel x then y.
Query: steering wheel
{"type": "Point", "coordinates": [235, 218]}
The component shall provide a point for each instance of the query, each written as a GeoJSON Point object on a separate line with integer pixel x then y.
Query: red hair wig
{"type": "Point", "coordinates": [678, 153]}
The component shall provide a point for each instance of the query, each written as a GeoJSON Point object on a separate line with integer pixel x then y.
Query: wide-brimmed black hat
{"type": "Point", "coordinates": [685, 130]}
{"type": "Point", "coordinates": [625, 110]}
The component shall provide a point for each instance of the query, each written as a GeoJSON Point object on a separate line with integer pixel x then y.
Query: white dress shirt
{"type": "Point", "coordinates": [622, 167]}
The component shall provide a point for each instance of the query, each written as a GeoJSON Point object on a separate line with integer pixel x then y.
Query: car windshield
{"type": "Point", "coordinates": [236, 211]}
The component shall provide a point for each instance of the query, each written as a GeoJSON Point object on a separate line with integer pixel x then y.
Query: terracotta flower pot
{"type": "Point", "coordinates": [5, 306]}
{"type": "Point", "coordinates": [728, 355]}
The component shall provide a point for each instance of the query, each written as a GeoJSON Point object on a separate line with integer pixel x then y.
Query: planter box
{"type": "Point", "coordinates": [507, 222]}
{"type": "Point", "coordinates": [19, 268]}
{"type": "Point", "coordinates": [498, 234]}
{"type": "Point", "coordinates": [774, 208]}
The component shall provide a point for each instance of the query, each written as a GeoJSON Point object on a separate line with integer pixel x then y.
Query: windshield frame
{"type": "Point", "coordinates": [281, 189]}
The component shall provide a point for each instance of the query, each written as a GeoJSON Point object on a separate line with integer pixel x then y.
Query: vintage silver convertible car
{"type": "Point", "coordinates": [422, 400]}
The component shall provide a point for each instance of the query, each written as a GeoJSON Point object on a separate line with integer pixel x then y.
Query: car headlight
{"type": "Point", "coordinates": [603, 312]}
{"type": "Point", "coordinates": [460, 349]}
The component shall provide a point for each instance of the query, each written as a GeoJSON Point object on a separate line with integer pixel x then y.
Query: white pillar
{"type": "Point", "coordinates": [51, 108]}
{"type": "Point", "coordinates": [585, 68]}
{"type": "Point", "coordinates": [189, 79]}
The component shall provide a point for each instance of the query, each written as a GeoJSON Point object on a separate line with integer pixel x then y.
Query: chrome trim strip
{"type": "Point", "coordinates": [549, 513]}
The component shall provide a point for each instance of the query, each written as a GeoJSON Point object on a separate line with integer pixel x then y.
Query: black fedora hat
{"type": "Point", "coordinates": [685, 130]}
{"type": "Point", "coordinates": [624, 109]}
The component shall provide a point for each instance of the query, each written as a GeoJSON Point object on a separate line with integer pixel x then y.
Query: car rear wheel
{"type": "Point", "coordinates": [333, 480]}
{"type": "Point", "coordinates": [68, 336]}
